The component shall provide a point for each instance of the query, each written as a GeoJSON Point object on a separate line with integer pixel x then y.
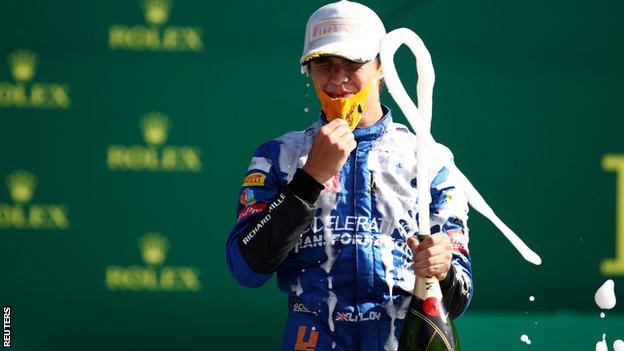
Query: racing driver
{"type": "Point", "coordinates": [332, 209]}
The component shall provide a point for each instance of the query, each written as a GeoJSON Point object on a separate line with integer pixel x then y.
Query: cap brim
{"type": "Point", "coordinates": [353, 52]}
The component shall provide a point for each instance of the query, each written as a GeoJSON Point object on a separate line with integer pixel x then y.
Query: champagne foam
{"type": "Point", "coordinates": [602, 344]}
{"type": "Point", "coordinates": [605, 295]}
{"type": "Point", "coordinates": [525, 338]}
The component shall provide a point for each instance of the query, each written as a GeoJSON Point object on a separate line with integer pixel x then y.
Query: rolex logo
{"type": "Point", "coordinates": [154, 248]}
{"type": "Point", "coordinates": [23, 64]}
{"type": "Point", "coordinates": [22, 213]}
{"type": "Point", "coordinates": [155, 127]}
{"type": "Point", "coordinates": [154, 275]}
{"type": "Point", "coordinates": [154, 156]}
{"type": "Point", "coordinates": [21, 185]}
{"type": "Point", "coordinates": [156, 12]}
{"type": "Point", "coordinates": [155, 35]}
{"type": "Point", "coordinates": [22, 92]}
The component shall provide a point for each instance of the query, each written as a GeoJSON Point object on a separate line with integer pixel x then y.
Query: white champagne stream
{"type": "Point", "coordinates": [602, 344]}
{"type": "Point", "coordinates": [392, 343]}
{"type": "Point", "coordinates": [331, 305]}
{"type": "Point", "coordinates": [605, 295]}
{"type": "Point", "coordinates": [420, 124]}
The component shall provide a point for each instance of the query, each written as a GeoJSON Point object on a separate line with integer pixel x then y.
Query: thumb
{"type": "Point", "coordinates": [413, 243]}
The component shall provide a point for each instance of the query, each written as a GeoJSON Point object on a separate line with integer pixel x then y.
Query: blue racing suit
{"type": "Point", "coordinates": [339, 249]}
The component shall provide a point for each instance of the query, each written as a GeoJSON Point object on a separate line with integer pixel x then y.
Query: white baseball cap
{"type": "Point", "coordinates": [345, 29]}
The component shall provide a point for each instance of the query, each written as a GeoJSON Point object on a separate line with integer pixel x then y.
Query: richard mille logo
{"type": "Point", "coordinates": [155, 36]}
{"type": "Point", "coordinates": [22, 214]}
{"type": "Point", "coordinates": [154, 155]}
{"type": "Point", "coordinates": [23, 93]}
{"type": "Point", "coordinates": [153, 276]}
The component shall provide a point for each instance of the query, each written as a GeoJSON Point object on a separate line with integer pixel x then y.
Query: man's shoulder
{"type": "Point", "coordinates": [287, 144]}
{"type": "Point", "coordinates": [293, 138]}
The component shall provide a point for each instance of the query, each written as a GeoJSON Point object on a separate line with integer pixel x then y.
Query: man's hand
{"type": "Point", "coordinates": [330, 149]}
{"type": "Point", "coordinates": [432, 256]}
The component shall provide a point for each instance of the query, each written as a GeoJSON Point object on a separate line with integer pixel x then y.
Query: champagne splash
{"type": "Point", "coordinates": [332, 299]}
{"type": "Point", "coordinates": [602, 344]}
{"type": "Point", "coordinates": [421, 124]}
{"type": "Point", "coordinates": [297, 288]}
{"type": "Point", "coordinates": [605, 295]}
{"type": "Point", "coordinates": [525, 339]}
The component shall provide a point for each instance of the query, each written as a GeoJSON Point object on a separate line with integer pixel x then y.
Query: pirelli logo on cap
{"type": "Point", "coordinates": [254, 179]}
{"type": "Point", "coordinates": [338, 26]}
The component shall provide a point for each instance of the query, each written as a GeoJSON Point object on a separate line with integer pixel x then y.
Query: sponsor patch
{"type": "Point", "coordinates": [306, 342]}
{"type": "Point", "coordinates": [254, 179]}
{"type": "Point", "coordinates": [299, 307]}
{"type": "Point", "coordinates": [336, 26]}
{"type": "Point", "coordinates": [250, 210]}
{"type": "Point", "coordinates": [247, 197]}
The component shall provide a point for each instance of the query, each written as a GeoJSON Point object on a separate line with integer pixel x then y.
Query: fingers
{"type": "Point", "coordinates": [337, 131]}
{"type": "Point", "coordinates": [428, 262]}
{"type": "Point", "coordinates": [330, 149]}
{"type": "Point", "coordinates": [435, 239]}
{"type": "Point", "coordinates": [339, 134]}
{"type": "Point", "coordinates": [342, 132]}
{"type": "Point", "coordinates": [347, 141]}
{"type": "Point", "coordinates": [335, 124]}
{"type": "Point", "coordinates": [433, 245]}
{"type": "Point", "coordinates": [424, 254]}
{"type": "Point", "coordinates": [432, 256]}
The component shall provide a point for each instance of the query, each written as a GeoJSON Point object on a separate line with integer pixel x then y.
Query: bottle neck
{"type": "Point", "coordinates": [427, 287]}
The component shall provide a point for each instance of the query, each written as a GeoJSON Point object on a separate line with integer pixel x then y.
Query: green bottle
{"type": "Point", "coordinates": [427, 325]}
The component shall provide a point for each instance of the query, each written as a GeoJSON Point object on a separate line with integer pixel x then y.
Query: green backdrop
{"type": "Point", "coordinates": [126, 128]}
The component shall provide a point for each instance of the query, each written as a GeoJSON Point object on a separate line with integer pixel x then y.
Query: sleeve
{"type": "Point", "coordinates": [449, 215]}
{"type": "Point", "coordinates": [270, 218]}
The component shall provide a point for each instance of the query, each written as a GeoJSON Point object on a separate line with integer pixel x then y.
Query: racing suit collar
{"type": "Point", "coordinates": [371, 132]}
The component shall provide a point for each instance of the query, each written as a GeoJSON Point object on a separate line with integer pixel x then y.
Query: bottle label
{"type": "Point", "coordinates": [427, 287]}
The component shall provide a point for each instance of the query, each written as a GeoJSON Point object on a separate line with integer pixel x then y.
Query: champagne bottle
{"type": "Point", "coordinates": [427, 325]}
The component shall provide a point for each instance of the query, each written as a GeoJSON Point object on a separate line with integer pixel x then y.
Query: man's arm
{"type": "Point", "coordinates": [449, 214]}
{"type": "Point", "coordinates": [267, 241]}
{"type": "Point", "coordinates": [271, 217]}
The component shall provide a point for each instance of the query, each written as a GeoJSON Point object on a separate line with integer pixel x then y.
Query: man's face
{"type": "Point", "coordinates": [341, 78]}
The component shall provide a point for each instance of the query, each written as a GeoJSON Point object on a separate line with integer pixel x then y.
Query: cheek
{"type": "Point", "coordinates": [318, 80]}
{"type": "Point", "coordinates": [360, 81]}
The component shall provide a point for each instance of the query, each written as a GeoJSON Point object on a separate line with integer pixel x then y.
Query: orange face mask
{"type": "Point", "coordinates": [349, 109]}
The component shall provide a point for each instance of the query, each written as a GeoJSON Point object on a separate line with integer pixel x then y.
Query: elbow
{"type": "Point", "coordinates": [240, 270]}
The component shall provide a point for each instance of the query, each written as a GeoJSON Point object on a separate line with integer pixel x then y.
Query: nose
{"type": "Point", "coordinates": [338, 74]}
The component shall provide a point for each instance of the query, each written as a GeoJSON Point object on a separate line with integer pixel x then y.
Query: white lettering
{"type": "Point", "coordinates": [275, 204]}
{"type": "Point", "coordinates": [345, 223]}
{"type": "Point", "coordinates": [362, 224]}
{"type": "Point", "coordinates": [6, 330]}
{"type": "Point", "coordinates": [349, 222]}
{"type": "Point", "coordinates": [359, 317]}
